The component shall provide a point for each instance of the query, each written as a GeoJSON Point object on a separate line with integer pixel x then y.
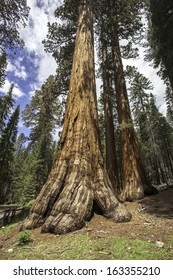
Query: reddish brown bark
{"type": "Point", "coordinates": [136, 183]}
{"type": "Point", "coordinates": [111, 158]}
{"type": "Point", "coordinates": [78, 178]}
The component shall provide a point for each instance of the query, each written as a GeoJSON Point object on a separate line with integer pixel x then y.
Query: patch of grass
{"type": "Point", "coordinates": [83, 247]}
{"type": "Point", "coordinates": [15, 221]}
{"type": "Point", "coordinates": [7, 228]}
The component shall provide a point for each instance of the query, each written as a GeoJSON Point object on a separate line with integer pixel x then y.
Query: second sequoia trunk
{"type": "Point", "coordinates": [111, 157]}
{"type": "Point", "coordinates": [136, 183]}
{"type": "Point", "coordinates": [78, 178]}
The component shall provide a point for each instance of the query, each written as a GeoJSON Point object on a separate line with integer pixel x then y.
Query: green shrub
{"type": "Point", "coordinates": [24, 237]}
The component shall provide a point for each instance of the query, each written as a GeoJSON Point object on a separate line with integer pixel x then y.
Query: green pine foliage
{"type": "Point", "coordinates": [162, 137]}
{"type": "Point", "coordinates": [7, 144]}
{"type": "Point", "coordinates": [160, 37]}
{"type": "Point", "coordinates": [45, 111]}
{"type": "Point", "coordinates": [154, 132]}
{"type": "Point", "coordinates": [20, 154]}
{"type": "Point", "coordinates": [169, 104]}
{"type": "Point", "coordinates": [140, 88]}
{"type": "Point", "coordinates": [43, 116]}
{"type": "Point", "coordinates": [3, 66]}
{"type": "Point", "coordinates": [60, 42]}
{"type": "Point", "coordinates": [13, 13]}
{"type": "Point", "coordinates": [7, 103]}
{"type": "Point", "coordinates": [36, 168]}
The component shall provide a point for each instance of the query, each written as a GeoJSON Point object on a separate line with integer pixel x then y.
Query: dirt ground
{"type": "Point", "coordinates": [152, 220]}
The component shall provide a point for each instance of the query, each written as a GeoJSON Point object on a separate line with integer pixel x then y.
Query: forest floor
{"type": "Point", "coordinates": [152, 222]}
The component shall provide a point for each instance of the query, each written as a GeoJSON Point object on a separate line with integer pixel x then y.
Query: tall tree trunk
{"type": "Point", "coordinates": [135, 181]}
{"type": "Point", "coordinates": [169, 154]}
{"type": "Point", "coordinates": [78, 177]}
{"type": "Point", "coordinates": [111, 158]}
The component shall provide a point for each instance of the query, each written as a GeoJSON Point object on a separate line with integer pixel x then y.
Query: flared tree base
{"type": "Point", "coordinates": [136, 191]}
{"type": "Point", "coordinates": [61, 211]}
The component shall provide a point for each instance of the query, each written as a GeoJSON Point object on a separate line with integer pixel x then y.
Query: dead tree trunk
{"type": "Point", "coordinates": [78, 177]}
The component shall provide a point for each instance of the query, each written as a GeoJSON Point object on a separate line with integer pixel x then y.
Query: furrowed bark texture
{"type": "Point", "coordinates": [111, 155]}
{"type": "Point", "coordinates": [135, 181]}
{"type": "Point", "coordinates": [78, 178]}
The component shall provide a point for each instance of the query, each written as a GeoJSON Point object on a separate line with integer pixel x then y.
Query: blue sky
{"type": "Point", "coordinates": [31, 66]}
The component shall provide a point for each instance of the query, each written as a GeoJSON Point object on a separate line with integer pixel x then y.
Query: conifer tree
{"type": "Point", "coordinates": [17, 169]}
{"type": "Point", "coordinates": [160, 37]}
{"type": "Point", "coordinates": [148, 122]}
{"type": "Point", "coordinates": [3, 65]}
{"type": "Point", "coordinates": [136, 183]}
{"type": "Point", "coordinates": [13, 13]}
{"type": "Point", "coordinates": [7, 143]}
{"type": "Point", "coordinates": [127, 25]}
{"type": "Point", "coordinates": [169, 104]}
{"type": "Point", "coordinates": [161, 137]}
{"type": "Point", "coordinates": [111, 157]}
{"type": "Point", "coordinates": [102, 11]}
{"type": "Point", "coordinates": [42, 116]}
{"type": "Point", "coordinates": [7, 103]}
{"type": "Point", "coordinates": [60, 43]}
{"type": "Point", "coordinates": [44, 112]}
{"type": "Point", "coordinates": [78, 178]}
{"type": "Point", "coordinates": [140, 88]}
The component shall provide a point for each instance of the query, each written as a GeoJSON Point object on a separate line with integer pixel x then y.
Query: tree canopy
{"type": "Point", "coordinates": [161, 36]}
{"type": "Point", "coordinates": [13, 13]}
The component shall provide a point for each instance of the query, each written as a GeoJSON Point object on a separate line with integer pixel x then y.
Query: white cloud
{"type": "Point", "coordinates": [47, 67]}
{"type": "Point", "coordinates": [17, 92]}
{"type": "Point", "coordinates": [41, 13]}
{"type": "Point", "coordinates": [17, 68]}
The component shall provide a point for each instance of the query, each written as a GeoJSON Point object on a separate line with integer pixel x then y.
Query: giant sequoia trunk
{"type": "Point", "coordinates": [78, 178]}
{"type": "Point", "coordinates": [135, 181]}
{"type": "Point", "coordinates": [111, 157]}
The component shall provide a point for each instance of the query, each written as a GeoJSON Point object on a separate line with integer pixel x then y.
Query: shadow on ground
{"type": "Point", "coordinates": [160, 205]}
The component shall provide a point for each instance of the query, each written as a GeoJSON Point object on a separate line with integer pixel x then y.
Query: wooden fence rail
{"type": "Point", "coordinates": [8, 212]}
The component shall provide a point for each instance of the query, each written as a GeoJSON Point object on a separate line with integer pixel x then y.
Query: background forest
{"type": "Point", "coordinates": [120, 30]}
